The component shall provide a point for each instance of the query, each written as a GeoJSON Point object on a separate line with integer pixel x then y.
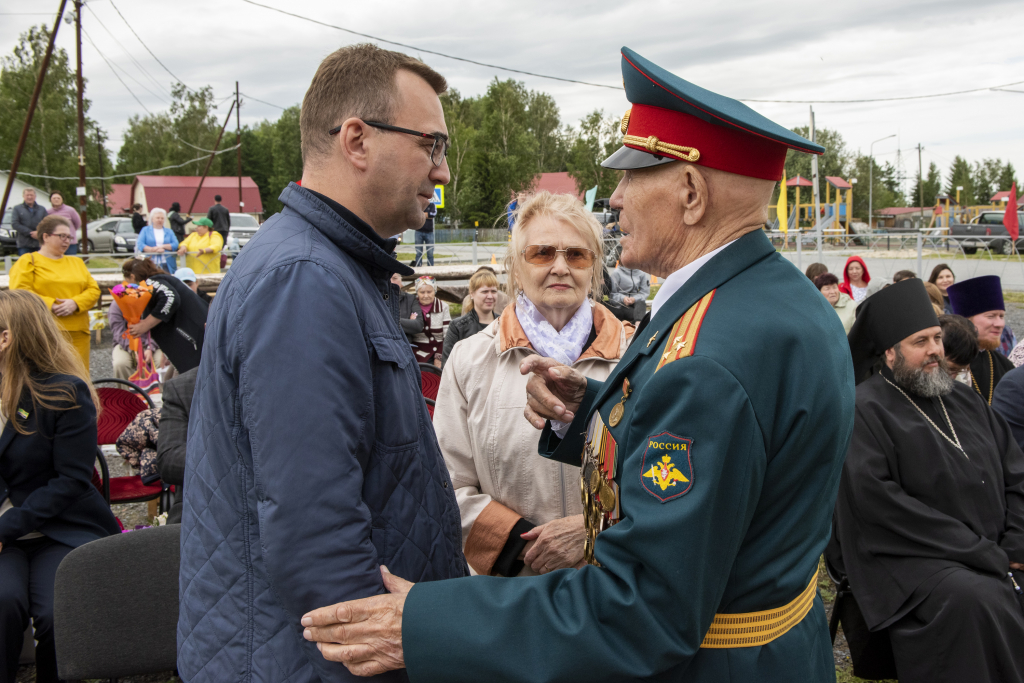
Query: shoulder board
{"type": "Point", "coordinates": [683, 337]}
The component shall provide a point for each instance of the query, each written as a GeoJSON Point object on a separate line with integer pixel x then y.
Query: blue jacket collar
{"type": "Point", "coordinates": [339, 231]}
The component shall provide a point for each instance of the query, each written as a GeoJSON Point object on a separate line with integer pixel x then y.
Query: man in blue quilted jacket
{"type": "Point", "coordinates": [311, 461]}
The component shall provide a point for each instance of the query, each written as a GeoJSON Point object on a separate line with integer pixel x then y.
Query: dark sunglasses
{"type": "Point", "coordinates": [545, 254]}
{"type": "Point", "coordinates": [437, 153]}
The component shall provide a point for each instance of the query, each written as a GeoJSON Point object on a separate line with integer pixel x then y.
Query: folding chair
{"type": "Point", "coordinates": [119, 408]}
{"type": "Point", "coordinates": [430, 382]}
{"type": "Point", "coordinates": [110, 628]}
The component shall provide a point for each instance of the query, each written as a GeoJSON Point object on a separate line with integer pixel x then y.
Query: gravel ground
{"type": "Point", "coordinates": [1015, 319]}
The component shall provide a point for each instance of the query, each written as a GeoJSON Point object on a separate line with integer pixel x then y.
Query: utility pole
{"type": "Point", "coordinates": [871, 177]}
{"type": "Point", "coordinates": [920, 184]}
{"type": "Point", "coordinates": [31, 109]}
{"type": "Point", "coordinates": [814, 179]}
{"type": "Point", "coordinates": [80, 191]}
{"type": "Point", "coordinates": [238, 141]}
{"type": "Point", "coordinates": [103, 186]}
{"type": "Point", "coordinates": [210, 160]}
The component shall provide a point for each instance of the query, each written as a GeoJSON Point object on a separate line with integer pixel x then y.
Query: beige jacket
{"type": "Point", "coordinates": [490, 448]}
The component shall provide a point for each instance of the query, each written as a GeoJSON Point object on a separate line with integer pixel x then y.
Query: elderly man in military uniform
{"type": "Point", "coordinates": [710, 458]}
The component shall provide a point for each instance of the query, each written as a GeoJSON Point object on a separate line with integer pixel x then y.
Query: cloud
{"type": "Point", "coordinates": [783, 50]}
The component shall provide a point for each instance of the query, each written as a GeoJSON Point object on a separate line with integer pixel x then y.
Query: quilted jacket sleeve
{"type": "Point", "coordinates": [309, 430]}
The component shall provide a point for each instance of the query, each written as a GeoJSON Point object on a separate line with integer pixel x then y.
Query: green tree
{"type": "Point", "coordinates": [463, 117]}
{"type": "Point", "coordinates": [595, 140]}
{"type": "Point", "coordinates": [544, 124]}
{"type": "Point", "coordinates": [885, 186]}
{"type": "Point", "coordinates": [1007, 178]}
{"type": "Point", "coordinates": [959, 175]}
{"type": "Point", "coordinates": [932, 188]}
{"type": "Point", "coordinates": [51, 148]}
{"type": "Point", "coordinates": [505, 158]}
{"type": "Point", "coordinates": [187, 132]}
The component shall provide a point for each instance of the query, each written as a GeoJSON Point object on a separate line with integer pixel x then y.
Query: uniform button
{"type": "Point", "coordinates": [385, 297]}
{"type": "Point", "coordinates": [444, 484]}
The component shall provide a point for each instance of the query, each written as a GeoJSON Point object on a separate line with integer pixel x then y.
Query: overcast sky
{"type": "Point", "coordinates": [782, 50]}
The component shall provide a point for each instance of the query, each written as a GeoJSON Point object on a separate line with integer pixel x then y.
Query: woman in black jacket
{"type": "Point", "coordinates": [477, 313]}
{"type": "Point", "coordinates": [175, 317]}
{"type": "Point", "coordinates": [48, 505]}
{"type": "Point", "coordinates": [177, 221]}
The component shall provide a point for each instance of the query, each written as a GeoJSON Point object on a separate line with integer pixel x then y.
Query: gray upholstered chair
{"type": "Point", "coordinates": [116, 606]}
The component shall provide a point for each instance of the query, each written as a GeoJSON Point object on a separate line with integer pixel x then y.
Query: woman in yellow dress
{"type": "Point", "coordinates": [202, 248]}
{"type": "Point", "coordinates": [63, 282]}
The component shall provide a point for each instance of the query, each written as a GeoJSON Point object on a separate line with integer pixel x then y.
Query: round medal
{"type": "Point", "coordinates": [615, 417]}
{"type": "Point", "coordinates": [607, 497]}
{"type": "Point", "coordinates": [595, 481]}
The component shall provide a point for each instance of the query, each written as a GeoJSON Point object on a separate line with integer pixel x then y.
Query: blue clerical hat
{"type": "Point", "coordinates": [976, 295]}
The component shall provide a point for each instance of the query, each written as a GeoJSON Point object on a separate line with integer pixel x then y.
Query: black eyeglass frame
{"type": "Point", "coordinates": [438, 137]}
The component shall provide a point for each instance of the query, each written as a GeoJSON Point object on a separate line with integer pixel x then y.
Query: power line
{"type": "Point", "coordinates": [125, 72]}
{"type": "Point", "coordinates": [125, 175]}
{"type": "Point", "coordinates": [146, 46]}
{"type": "Point", "coordinates": [130, 91]}
{"type": "Point", "coordinates": [885, 99]}
{"type": "Point", "coordinates": [262, 102]}
{"type": "Point", "coordinates": [431, 52]}
{"type": "Point", "coordinates": [139, 66]}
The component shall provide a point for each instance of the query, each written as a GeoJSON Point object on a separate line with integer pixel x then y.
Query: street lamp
{"type": "Point", "coordinates": [958, 209]}
{"type": "Point", "coordinates": [871, 178]}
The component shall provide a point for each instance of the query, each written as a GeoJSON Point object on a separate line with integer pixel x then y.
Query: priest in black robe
{"type": "Point", "coordinates": [930, 514]}
{"type": "Point", "coordinates": [980, 300]}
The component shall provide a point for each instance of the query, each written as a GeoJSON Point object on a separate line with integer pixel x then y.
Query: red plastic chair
{"type": "Point", "coordinates": [430, 381]}
{"type": "Point", "coordinates": [119, 408]}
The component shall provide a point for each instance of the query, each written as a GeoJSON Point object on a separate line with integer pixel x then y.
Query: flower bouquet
{"type": "Point", "coordinates": [132, 300]}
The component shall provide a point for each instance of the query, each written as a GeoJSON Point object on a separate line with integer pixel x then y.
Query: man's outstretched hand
{"type": "Point", "coordinates": [364, 635]}
{"type": "Point", "coordinates": [554, 392]}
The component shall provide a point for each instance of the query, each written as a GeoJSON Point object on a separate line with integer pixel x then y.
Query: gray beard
{"type": "Point", "coordinates": [917, 381]}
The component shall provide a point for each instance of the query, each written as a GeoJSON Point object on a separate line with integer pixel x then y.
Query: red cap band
{"type": "Point", "coordinates": [726, 149]}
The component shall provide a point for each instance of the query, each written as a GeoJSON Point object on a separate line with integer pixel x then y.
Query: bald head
{"type": "Point", "coordinates": [674, 213]}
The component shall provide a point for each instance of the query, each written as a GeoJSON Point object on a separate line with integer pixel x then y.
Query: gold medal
{"type": "Point", "coordinates": [595, 480]}
{"type": "Point", "coordinates": [607, 497]}
{"type": "Point", "coordinates": [615, 416]}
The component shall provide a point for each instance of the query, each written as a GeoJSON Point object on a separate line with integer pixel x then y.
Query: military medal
{"type": "Point", "coordinates": [615, 417]}
{"type": "Point", "coordinates": [598, 490]}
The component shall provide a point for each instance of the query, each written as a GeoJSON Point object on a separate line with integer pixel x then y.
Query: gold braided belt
{"type": "Point", "coordinates": [655, 146]}
{"type": "Point", "coordinates": [753, 629]}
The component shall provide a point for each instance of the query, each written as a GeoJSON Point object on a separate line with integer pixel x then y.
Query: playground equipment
{"type": "Point", "coordinates": [836, 207]}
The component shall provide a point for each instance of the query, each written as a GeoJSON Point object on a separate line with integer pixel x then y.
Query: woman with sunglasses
{"type": "Point", "coordinates": [64, 283]}
{"type": "Point", "coordinates": [522, 514]}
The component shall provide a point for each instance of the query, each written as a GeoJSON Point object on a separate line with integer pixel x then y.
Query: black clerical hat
{"type": "Point", "coordinates": [886, 318]}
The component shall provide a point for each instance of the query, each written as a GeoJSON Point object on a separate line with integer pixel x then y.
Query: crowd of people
{"type": "Point", "coordinates": [605, 490]}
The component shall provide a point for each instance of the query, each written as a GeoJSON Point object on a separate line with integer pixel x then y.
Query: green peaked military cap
{"type": "Point", "coordinates": [672, 119]}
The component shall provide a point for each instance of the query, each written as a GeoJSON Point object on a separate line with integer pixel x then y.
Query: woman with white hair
{"type": "Point", "coordinates": [155, 241]}
{"type": "Point", "coordinates": [428, 345]}
{"type": "Point", "coordinates": [522, 514]}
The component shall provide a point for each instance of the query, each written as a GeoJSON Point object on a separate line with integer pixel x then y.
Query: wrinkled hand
{"type": "Point", "coordinates": [629, 301]}
{"type": "Point", "coordinates": [364, 635]}
{"type": "Point", "coordinates": [64, 307]}
{"type": "Point", "coordinates": [1016, 565]}
{"type": "Point", "coordinates": [557, 545]}
{"type": "Point", "coordinates": [412, 317]}
{"type": "Point", "coordinates": [553, 393]}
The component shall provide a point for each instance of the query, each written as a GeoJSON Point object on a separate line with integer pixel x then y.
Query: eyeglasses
{"type": "Point", "coordinates": [437, 153]}
{"type": "Point", "coordinates": [578, 258]}
{"type": "Point", "coordinates": [62, 236]}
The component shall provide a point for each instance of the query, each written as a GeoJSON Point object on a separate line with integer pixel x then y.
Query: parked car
{"type": "Point", "coordinates": [111, 235]}
{"type": "Point", "coordinates": [8, 243]}
{"type": "Point", "coordinates": [243, 228]}
{"type": "Point", "coordinates": [986, 228]}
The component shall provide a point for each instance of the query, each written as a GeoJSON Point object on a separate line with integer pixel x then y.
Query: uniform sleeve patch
{"type": "Point", "coordinates": [666, 470]}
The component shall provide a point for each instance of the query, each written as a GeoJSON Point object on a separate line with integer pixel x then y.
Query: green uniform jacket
{"type": "Point", "coordinates": [766, 402]}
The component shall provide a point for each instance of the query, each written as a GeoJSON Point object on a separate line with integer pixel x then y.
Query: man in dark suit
{"type": "Point", "coordinates": [221, 218]}
{"type": "Point", "coordinates": [170, 452]}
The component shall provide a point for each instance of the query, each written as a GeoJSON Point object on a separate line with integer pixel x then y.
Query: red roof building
{"type": "Point", "coordinates": [557, 183]}
{"type": "Point", "coordinates": [1000, 196]}
{"type": "Point", "coordinates": [162, 190]}
{"type": "Point", "coordinates": [119, 199]}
